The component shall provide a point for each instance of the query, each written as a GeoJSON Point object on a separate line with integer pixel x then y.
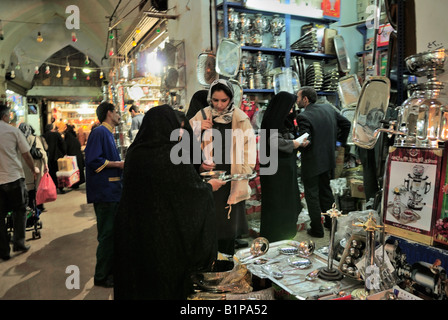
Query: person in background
{"type": "Point", "coordinates": [197, 102]}
{"type": "Point", "coordinates": [104, 169]}
{"type": "Point", "coordinates": [280, 195]}
{"type": "Point", "coordinates": [13, 195]}
{"type": "Point", "coordinates": [325, 127]}
{"type": "Point", "coordinates": [165, 228]}
{"type": "Point", "coordinates": [31, 183]}
{"type": "Point", "coordinates": [74, 149]}
{"type": "Point", "coordinates": [82, 136]}
{"type": "Point", "coordinates": [56, 150]}
{"type": "Point", "coordinates": [137, 118]}
{"type": "Point", "coordinates": [222, 117]}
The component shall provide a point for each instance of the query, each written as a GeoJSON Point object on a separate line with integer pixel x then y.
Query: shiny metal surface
{"type": "Point", "coordinates": [423, 117]}
{"type": "Point", "coordinates": [228, 58]}
{"type": "Point", "coordinates": [428, 63]}
{"type": "Point", "coordinates": [341, 52]}
{"type": "Point", "coordinates": [370, 111]}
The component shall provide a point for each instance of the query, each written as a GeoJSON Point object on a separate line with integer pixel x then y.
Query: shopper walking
{"type": "Point", "coordinates": [237, 156]}
{"type": "Point", "coordinates": [13, 195]}
{"type": "Point", "coordinates": [103, 187]}
{"type": "Point", "coordinates": [42, 164]}
{"type": "Point", "coordinates": [325, 127]}
{"type": "Point", "coordinates": [165, 228]}
{"type": "Point", "coordinates": [56, 150]}
{"type": "Point", "coordinates": [74, 149]}
{"type": "Point", "coordinates": [280, 195]}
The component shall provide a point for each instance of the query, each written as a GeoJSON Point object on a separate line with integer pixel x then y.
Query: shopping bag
{"type": "Point", "coordinates": [46, 191]}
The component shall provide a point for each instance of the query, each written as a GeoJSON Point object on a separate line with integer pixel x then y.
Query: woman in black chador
{"type": "Point", "coordinates": [280, 196]}
{"type": "Point", "coordinates": [165, 227]}
{"type": "Point", "coordinates": [74, 149]}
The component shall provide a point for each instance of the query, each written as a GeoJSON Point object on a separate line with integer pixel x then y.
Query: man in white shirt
{"type": "Point", "coordinates": [137, 119]}
{"type": "Point", "coordinates": [13, 194]}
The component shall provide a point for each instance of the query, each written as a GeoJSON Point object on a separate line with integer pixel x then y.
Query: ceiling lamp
{"type": "Point", "coordinates": [111, 52]}
{"type": "Point", "coordinates": [101, 75]}
{"type": "Point", "coordinates": [87, 60]}
{"type": "Point", "coordinates": [137, 31]}
{"type": "Point", "coordinates": [74, 39]}
{"type": "Point", "coordinates": [47, 70]}
{"type": "Point", "coordinates": [13, 74]}
{"type": "Point", "coordinates": [74, 76]}
{"type": "Point", "coordinates": [86, 70]}
{"type": "Point", "coordinates": [111, 35]}
{"type": "Point", "coordinates": [39, 37]}
{"type": "Point", "coordinates": [134, 43]}
{"type": "Point", "coordinates": [59, 74]}
{"type": "Point", "coordinates": [36, 70]}
{"type": "Point", "coordinates": [67, 67]}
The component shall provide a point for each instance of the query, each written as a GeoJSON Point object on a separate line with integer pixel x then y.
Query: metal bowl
{"type": "Point", "coordinates": [211, 280]}
{"type": "Point", "coordinates": [427, 63]}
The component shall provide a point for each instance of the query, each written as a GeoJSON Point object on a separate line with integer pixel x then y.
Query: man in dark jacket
{"type": "Point", "coordinates": [325, 127]}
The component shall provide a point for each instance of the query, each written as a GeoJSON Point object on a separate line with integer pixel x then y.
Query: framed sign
{"type": "Point", "coordinates": [411, 192]}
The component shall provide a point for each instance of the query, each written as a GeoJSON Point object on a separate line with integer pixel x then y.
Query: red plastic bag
{"type": "Point", "coordinates": [46, 192]}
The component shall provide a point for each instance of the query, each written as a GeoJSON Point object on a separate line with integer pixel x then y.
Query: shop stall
{"type": "Point", "coordinates": [392, 247]}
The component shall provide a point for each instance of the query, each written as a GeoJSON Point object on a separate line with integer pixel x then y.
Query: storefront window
{"type": "Point", "coordinates": [18, 109]}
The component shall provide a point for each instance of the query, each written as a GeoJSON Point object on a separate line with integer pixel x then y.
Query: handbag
{"type": "Point", "coordinates": [46, 191]}
{"type": "Point", "coordinates": [35, 153]}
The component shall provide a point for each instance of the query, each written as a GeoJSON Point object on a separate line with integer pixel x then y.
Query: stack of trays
{"type": "Point", "coordinates": [307, 42]}
{"type": "Point", "coordinates": [315, 76]}
{"type": "Point", "coordinates": [331, 78]}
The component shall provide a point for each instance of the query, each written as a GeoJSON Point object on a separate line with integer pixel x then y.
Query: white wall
{"type": "Point", "coordinates": [192, 26]}
{"type": "Point", "coordinates": [431, 27]}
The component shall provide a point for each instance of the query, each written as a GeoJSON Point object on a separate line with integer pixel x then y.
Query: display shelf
{"type": "Point", "coordinates": [291, 21]}
{"type": "Point", "coordinates": [242, 8]}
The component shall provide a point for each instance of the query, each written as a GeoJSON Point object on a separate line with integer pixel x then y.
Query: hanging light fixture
{"type": "Point", "coordinates": [111, 52]}
{"type": "Point", "coordinates": [59, 74]}
{"type": "Point", "coordinates": [87, 61]}
{"type": "Point", "coordinates": [74, 76]}
{"type": "Point", "coordinates": [67, 67]}
{"type": "Point", "coordinates": [13, 74]}
{"type": "Point", "coordinates": [36, 70]}
{"type": "Point", "coordinates": [134, 43]}
{"type": "Point", "coordinates": [88, 78]}
{"type": "Point", "coordinates": [39, 37]}
{"type": "Point", "coordinates": [74, 39]}
{"type": "Point", "coordinates": [111, 35]}
{"type": "Point", "coordinates": [101, 75]}
{"type": "Point", "coordinates": [47, 70]}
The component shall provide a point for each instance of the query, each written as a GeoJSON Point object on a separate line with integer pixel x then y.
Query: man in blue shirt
{"type": "Point", "coordinates": [104, 169]}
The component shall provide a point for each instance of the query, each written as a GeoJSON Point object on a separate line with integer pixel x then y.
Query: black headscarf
{"type": "Point", "coordinates": [277, 115]}
{"type": "Point", "coordinates": [165, 228]}
{"type": "Point", "coordinates": [198, 102]}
